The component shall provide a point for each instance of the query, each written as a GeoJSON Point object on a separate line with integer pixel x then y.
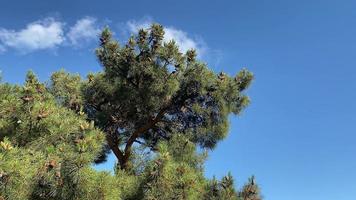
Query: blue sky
{"type": "Point", "coordinates": [299, 134]}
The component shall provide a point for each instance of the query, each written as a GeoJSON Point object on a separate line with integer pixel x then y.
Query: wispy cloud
{"type": "Point", "coordinates": [51, 33]}
{"type": "Point", "coordinates": [134, 26]}
{"type": "Point", "coordinates": [83, 31]}
{"type": "Point", "coordinates": [183, 39]}
{"type": "Point", "coordinates": [43, 34]}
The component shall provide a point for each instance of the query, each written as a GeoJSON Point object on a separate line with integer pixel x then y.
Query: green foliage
{"type": "Point", "coordinates": [67, 89]}
{"type": "Point", "coordinates": [250, 190]}
{"type": "Point", "coordinates": [149, 90]}
{"type": "Point", "coordinates": [173, 176]}
{"type": "Point", "coordinates": [157, 109]}
{"type": "Point", "coordinates": [218, 190]}
{"type": "Point", "coordinates": [18, 167]}
{"type": "Point", "coordinates": [44, 146]}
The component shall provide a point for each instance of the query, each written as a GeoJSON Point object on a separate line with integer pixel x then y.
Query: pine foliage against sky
{"type": "Point", "coordinates": [159, 110]}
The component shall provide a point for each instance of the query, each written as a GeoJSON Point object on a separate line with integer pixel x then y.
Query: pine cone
{"type": "Point", "coordinates": [27, 98]}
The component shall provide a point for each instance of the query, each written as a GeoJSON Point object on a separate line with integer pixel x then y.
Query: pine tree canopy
{"type": "Point", "coordinates": [157, 109]}
{"type": "Point", "coordinates": [149, 91]}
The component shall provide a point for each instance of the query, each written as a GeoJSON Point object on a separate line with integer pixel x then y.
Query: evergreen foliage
{"type": "Point", "coordinates": [251, 191]}
{"type": "Point", "coordinates": [157, 109]}
{"type": "Point", "coordinates": [149, 90]}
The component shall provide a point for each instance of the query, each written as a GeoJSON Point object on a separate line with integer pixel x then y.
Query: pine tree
{"type": "Point", "coordinates": [45, 148]}
{"type": "Point", "coordinates": [149, 90]}
{"type": "Point", "coordinates": [250, 191]}
{"type": "Point", "coordinates": [175, 172]}
{"type": "Point", "coordinates": [157, 109]}
{"type": "Point", "coordinates": [221, 190]}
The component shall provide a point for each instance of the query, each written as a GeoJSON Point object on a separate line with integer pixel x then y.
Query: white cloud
{"type": "Point", "coordinates": [50, 33]}
{"type": "Point", "coordinates": [83, 31]}
{"type": "Point", "coordinates": [185, 43]}
{"type": "Point", "coordinates": [134, 26]}
{"type": "Point", "coordinates": [43, 34]}
{"type": "Point", "coordinates": [171, 33]}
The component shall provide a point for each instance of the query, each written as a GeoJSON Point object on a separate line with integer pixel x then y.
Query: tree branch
{"type": "Point", "coordinates": [114, 146]}
{"type": "Point", "coordinates": [141, 130]}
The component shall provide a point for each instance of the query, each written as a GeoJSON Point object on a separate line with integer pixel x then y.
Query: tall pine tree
{"type": "Point", "coordinates": [157, 109]}
{"type": "Point", "coordinates": [149, 91]}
